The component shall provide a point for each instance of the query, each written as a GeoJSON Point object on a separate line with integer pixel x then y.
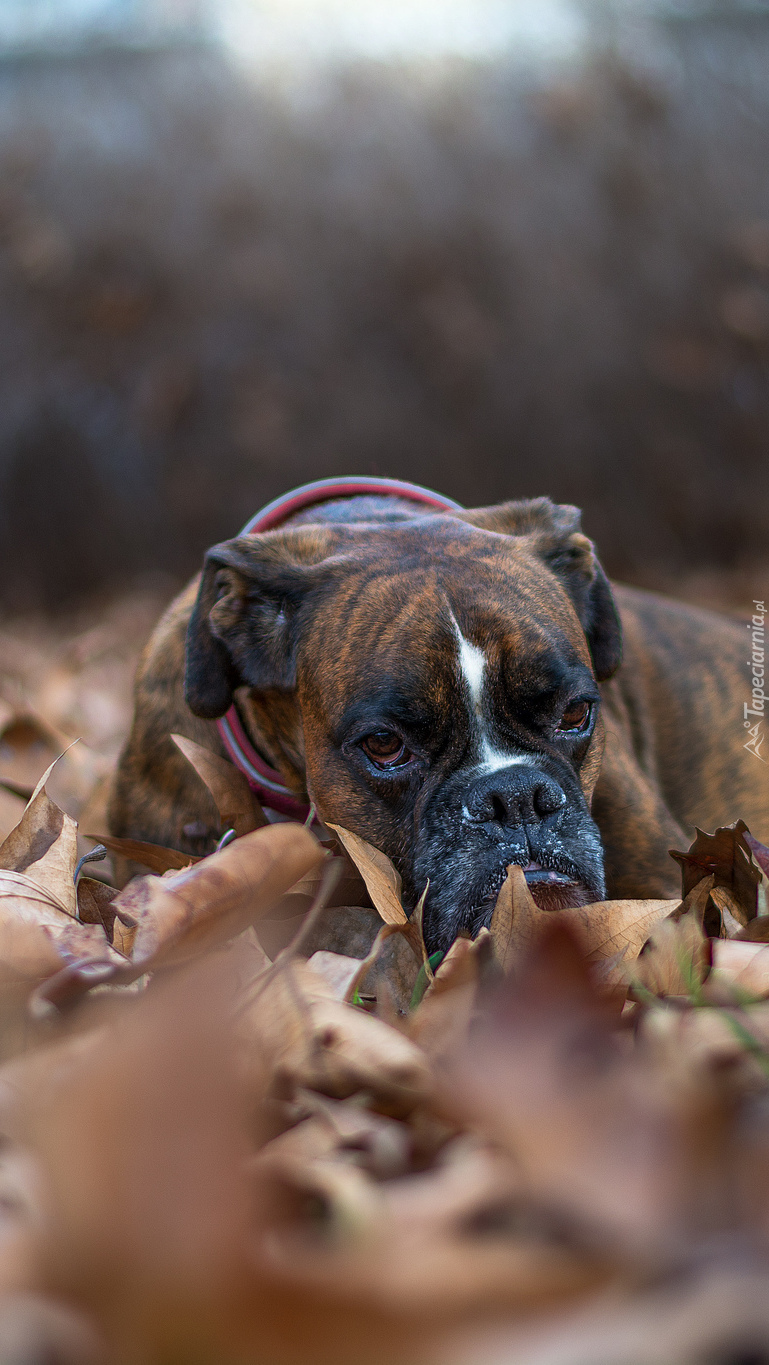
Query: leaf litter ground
{"type": "Point", "coordinates": [245, 1118]}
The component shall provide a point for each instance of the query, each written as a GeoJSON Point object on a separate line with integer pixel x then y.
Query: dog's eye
{"type": "Point", "coordinates": [575, 718]}
{"type": "Point", "coordinates": [386, 749]}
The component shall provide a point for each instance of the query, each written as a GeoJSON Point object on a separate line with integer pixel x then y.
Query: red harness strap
{"type": "Point", "coordinates": [266, 783]}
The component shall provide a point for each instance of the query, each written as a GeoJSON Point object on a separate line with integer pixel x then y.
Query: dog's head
{"type": "Point", "coordinates": [440, 674]}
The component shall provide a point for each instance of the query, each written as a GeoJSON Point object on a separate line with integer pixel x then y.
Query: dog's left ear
{"type": "Point", "coordinates": [554, 535]}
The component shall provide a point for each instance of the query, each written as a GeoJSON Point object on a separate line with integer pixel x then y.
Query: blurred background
{"type": "Point", "coordinates": [501, 247]}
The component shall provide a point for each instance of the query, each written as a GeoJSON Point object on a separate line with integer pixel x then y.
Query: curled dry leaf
{"type": "Point", "coordinates": [383, 884]}
{"type": "Point", "coordinates": [44, 847]}
{"type": "Point", "coordinates": [237, 806]}
{"type": "Point", "coordinates": [382, 880]}
{"type": "Point", "coordinates": [178, 917]}
{"type": "Point", "coordinates": [460, 967]}
{"type": "Point", "coordinates": [40, 932]}
{"type": "Point", "coordinates": [95, 905]}
{"type": "Point", "coordinates": [158, 859]}
{"type": "Point", "coordinates": [727, 855]}
{"type": "Point", "coordinates": [385, 960]}
{"type": "Point", "coordinates": [729, 910]}
{"type": "Point", "coordinates": [517, 919]}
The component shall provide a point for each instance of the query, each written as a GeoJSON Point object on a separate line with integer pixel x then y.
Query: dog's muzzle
{"type": "Point", "coordinates": [477, 827]}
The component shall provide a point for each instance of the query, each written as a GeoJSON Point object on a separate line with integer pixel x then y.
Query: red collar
{"type": "Point", "coordinates": [266, 783]}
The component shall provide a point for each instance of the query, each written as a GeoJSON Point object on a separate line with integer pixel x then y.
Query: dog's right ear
{"type": "Point", "coordinates": [243, 628]}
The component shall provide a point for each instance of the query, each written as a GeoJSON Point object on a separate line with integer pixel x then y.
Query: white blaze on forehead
{"type": "Point", "coordinates": [472, 662]}
{"type": "Point", "coordinates": [472, 667]}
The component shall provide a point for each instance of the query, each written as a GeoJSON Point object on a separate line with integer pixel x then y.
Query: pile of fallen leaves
{"type": "Point", "coordinates": [246, 1118]}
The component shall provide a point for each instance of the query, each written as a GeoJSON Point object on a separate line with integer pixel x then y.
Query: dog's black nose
{"type": "Point", "coordinates": [519, 795]}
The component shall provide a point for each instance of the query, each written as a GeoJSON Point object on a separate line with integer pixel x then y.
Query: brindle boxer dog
{"type": "Point", "coordinates": [447, 684]}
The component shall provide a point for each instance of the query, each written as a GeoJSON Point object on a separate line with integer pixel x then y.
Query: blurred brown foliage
{"type": "Point", "coordinates": [213, 1153]}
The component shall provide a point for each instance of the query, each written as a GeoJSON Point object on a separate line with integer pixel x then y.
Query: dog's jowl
{"type": "Point", "coordinates": [453, 686]}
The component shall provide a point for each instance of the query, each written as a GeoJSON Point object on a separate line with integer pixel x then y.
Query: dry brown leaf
{"type": "Point", "coordinates": [414, 932]}
{"type": "Point", "coordinates": [760, 852]}
{"type": "Point", "coordinates": [379, 1145]}
{"type": "Point", "coordinates": [337, 971]}
{"type": "Point", "coordinates": [27, 952]}
{"type": "Point", "coordinates": [706, 1039]}
{"type": "Point", "coordinates": [95, 906]}
{"type": "Point", "coordinates": [441, 1020]}
{"type": "Point", "coordinates": [181, 916]}
{"type": "Point", "coordinates": [460, 967]}
{"type": "Point", "coordinates": [729, 910]}
{"type": "Point", "coordinates": [383, 884]}
{"type": "Point", "coordinates": [237, 806]}
{"type": "Point", "coordinates": [501, 924]}
{"type": "Point", "coordinates": [611, 933]}
{"type": "Point", "coordinates": [153, 856]}
{"type": "Point", "coordinates": [740, 968]}
{"type": "Point", "coordinates": [696, 903]}
{"type": "Point", "coordinates": [94, 903]}
{"type": "Point", "coordinates": [44, 846]}
{"type": "Point", "coordinates": [607, 929]}
{"type": "Point", "coordinates": [40, 933]}
{"type": "Point", "coordinates": [726, 855]}
{"type": "Point", "coordinates": [517, 919]}
{"type": "Point", "coordinates": [382, 880]}
{"type": "Point", "coordinates": [756, 931]}
{"type": "Point", "coordinates": [549, 1077]}
{"type": "Point", "coordinates": [386, 960]}
{"type": "Point", "coordinates": [311, 1040]}
{"type": "Point", "coordinates": [349, 889]}
{"type": "Point", "coordinates": [674, 961]}
{"type": "Point", "coordinates": [373, 957]}
{"type": "Point", "coordinates": [37, 938]}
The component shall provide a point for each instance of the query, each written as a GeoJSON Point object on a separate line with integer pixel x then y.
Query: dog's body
{"type": "Point", "coordinates": [429, 680]}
